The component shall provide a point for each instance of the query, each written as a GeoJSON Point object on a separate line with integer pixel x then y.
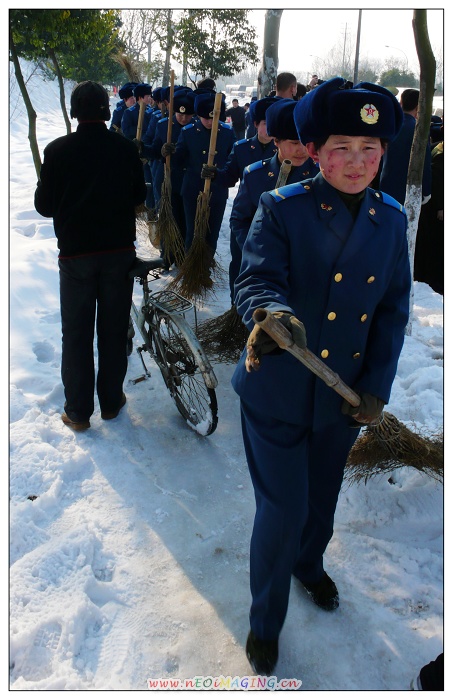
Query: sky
{"type": "Point", "coordinates": [307, 35]}
{"type": "Point", "coordinates": [131, 561]}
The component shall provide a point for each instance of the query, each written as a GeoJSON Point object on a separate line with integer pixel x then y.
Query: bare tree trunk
{"type": "Point", "coordinates": [413, 199]}
{"type": "Point", "coordinates": [267, 76]}
{"type": "Point", "coordinates": [168, 48]}
{"type": "Point", "coordinates": [61, 89]}
{"type": "Point", "coordinates": [28, 105]}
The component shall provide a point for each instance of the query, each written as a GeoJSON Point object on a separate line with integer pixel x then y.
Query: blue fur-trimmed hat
{"type": "Point", "coordinates": [204, 105]}
{"type": "Point", "coordinates": [259, 108]}
{"type": "Point", "coordinates": [280, 120]}
{"type": "Point", "coordinates": [157, 94]}
{"type": "Point", "coordinates": [183, 102]}
{"type": "Point", "coordinates": [141, 90]}
{"type": "Point", "coordinates": [127, 90]}
{"type": "Point", "coordinates": [365, 109]}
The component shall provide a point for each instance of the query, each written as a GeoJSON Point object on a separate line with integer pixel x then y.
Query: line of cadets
{"type": "Point", "coordinates": [253, 162]}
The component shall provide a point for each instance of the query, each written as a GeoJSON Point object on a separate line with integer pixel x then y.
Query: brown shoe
{"type": "Point", "coordinates": [109, 415]}
{"type": "Point", "coordinates": [75, 424]}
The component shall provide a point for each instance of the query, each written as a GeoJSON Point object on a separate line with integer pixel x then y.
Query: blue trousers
{"type": "Point", "coordinates": [296, 475]}
{"type": "Point", "coordinates": [94, 289]}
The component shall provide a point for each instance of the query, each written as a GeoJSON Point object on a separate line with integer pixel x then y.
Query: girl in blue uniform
{"type": "Point", "coordinates": [329, 257]}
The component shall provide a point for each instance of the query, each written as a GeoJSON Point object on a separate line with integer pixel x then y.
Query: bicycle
{"type": "Point", "coordinates": [174, 347]}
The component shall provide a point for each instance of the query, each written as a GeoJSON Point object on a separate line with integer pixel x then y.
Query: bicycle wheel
{"type": "Point", "coordinates": [187, 372]}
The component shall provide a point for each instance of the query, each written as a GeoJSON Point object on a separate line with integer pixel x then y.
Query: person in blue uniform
{"type": "Point", "coordinates": [129, 121]}
{"type": "Point", "coordinates": [191, 152]}
{"type": "Point", "coordinates": [246, 151]}
{"type": "Point", "coordinates": [395, 163]}
{"type": "Point", "coordinates": [183, 108]}
{"type": "Point", "coordinates": [262, 175]}
{"type": "Point", "coordinates": [126, 94]}
{"type": "Point", "coordinates": [328, 258]}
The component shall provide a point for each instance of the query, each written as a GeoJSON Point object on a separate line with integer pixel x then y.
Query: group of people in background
{"type": "Point", "coordinates": [324, 253]}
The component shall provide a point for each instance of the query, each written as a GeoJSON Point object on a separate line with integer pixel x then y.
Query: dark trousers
{"type": "Point", "coordinates": [94, 288]}
{"type": "Point", "coordinates": [296, 475]}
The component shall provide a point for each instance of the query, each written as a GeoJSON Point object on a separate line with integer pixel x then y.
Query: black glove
{"type": "Point", "coordinates": [260, 343]}
{"type": "Point", "coordinates": [139, 144]}
{"type": "Point", "coordinates": [369, 410]}
{"type": "Point", "coordinates": [208, 172]}
{"type": "Point", "coordinates": [167, 149]}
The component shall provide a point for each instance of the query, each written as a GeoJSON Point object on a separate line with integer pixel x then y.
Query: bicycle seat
{"type": "Point", "coordinates": [142, 267]}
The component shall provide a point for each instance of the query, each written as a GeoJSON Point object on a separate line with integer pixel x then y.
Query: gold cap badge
{"type": "Point", "coordinates": [182, 109]}
{"type": "Point", "coordinates": [369, 114]}
{"type": "Point", "coordinates": [211, 114]}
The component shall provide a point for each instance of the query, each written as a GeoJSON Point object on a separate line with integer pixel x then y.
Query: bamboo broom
{"type": "Point", "coordinates": [224, 337]}
{"type": "Point", "coordinates": [194, 277]}
{"type": "Point", "coordinates": [386, 444]}
{"type": "Point", "coordinates": [167, 230]}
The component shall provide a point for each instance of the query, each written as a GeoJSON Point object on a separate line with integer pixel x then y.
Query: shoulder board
{"type": "Point", "coordinates": [238, 143]}
{"type": "Point", "coordinates": [289, 191]}
{"type": "Point", "coordinates": [390, 201]}
{"type": "Point", "coordinates": [188, 126]}
{"type": "Point", "coordinates": [225, 126]}
{"type": "Point", "coordinates": [256, 166]}
{"type": "Point", "coordinates": [164, 119]}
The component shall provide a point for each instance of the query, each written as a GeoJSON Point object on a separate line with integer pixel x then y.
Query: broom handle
{"type": "Point", "coordinates": [170, 116]}
{"type": "Point", "coordinates": [213, 140]}
{"type": "Point", "coordinates": [282, 337]}
{"type": "Point", "coordinates": [141, 116]}
{"type": "Point", "coordinates": [285, 170]}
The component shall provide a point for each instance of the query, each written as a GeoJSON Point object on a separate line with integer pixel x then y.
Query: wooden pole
{"type": "Point", "coordinates": [141, 116]}
{"type": "Point", "coordinates": [282, 337]}
{"type": "Point", "coordinates": [170, 117]}
{"type": "Point", "coordinates": [213, 140]}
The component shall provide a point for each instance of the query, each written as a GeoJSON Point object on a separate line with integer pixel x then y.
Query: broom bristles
{"type": "Point", "coordinates": [167, 230]}
{"type": "Point", "coordinates": [224, 337]}
{"type": "Point", "coordinates": [194, 276]}
{"type": "Point", "coordinates": [391, 445]}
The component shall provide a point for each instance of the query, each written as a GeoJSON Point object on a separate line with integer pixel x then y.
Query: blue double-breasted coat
{"type": "Point", "coordinates": [348, 281]}
{"type": "Point", "coordinates": [192, 150]}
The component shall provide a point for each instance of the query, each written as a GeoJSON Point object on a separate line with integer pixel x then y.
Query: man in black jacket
{"type": "Point", "coordinates": [90, 183]}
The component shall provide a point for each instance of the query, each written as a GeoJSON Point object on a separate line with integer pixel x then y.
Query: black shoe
{"type": "Point", "coordinates": [108, 415]}
{"type": "Point", "coordinates": [324, 593]}
{"type": "Point", "coordinates": [262, 654]}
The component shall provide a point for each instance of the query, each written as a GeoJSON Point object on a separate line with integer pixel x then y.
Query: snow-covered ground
{"type": "Point", "coordinates": [129, 542]}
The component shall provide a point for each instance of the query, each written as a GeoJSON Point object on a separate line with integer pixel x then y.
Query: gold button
{"type": "Point", "coordinates": [203, 152]}
{"type": "Point", "coordinates": [325, 353]}
{"type": "Point", "coordinates": [338, 277]}
{"type": "Point", "coordinates": [371, 279]}
{"type": "Point", "coordinates": [364, 318]}
{"type": "Point", "coordinates": [332, 316]}
{"type": "Point", "coordinates": [356, 355]}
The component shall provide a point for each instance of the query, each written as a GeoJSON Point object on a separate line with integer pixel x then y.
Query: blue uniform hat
{"type": "Point", "coordinates": [280, 120]}
{"type": "Point", "coordinates": [157, 94]}
{"type": "Point", "coordinates": [183, 102]}
{"type": "Point", "coordinates": [204, 105]}
{"type": "Point", "coordinates": [127, 90]}
{"type": "Point", "coordinates": [141, 90]}
{"type": "Point", "coordinates": [258, 108]}
{"type": "Point", "coordinates": [365, 109]}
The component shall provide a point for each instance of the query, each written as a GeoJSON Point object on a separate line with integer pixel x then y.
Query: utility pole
{"type": "Point", "coordinates": [357, 50]}
{"type": "Point", "coordinates": [344, 46]}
